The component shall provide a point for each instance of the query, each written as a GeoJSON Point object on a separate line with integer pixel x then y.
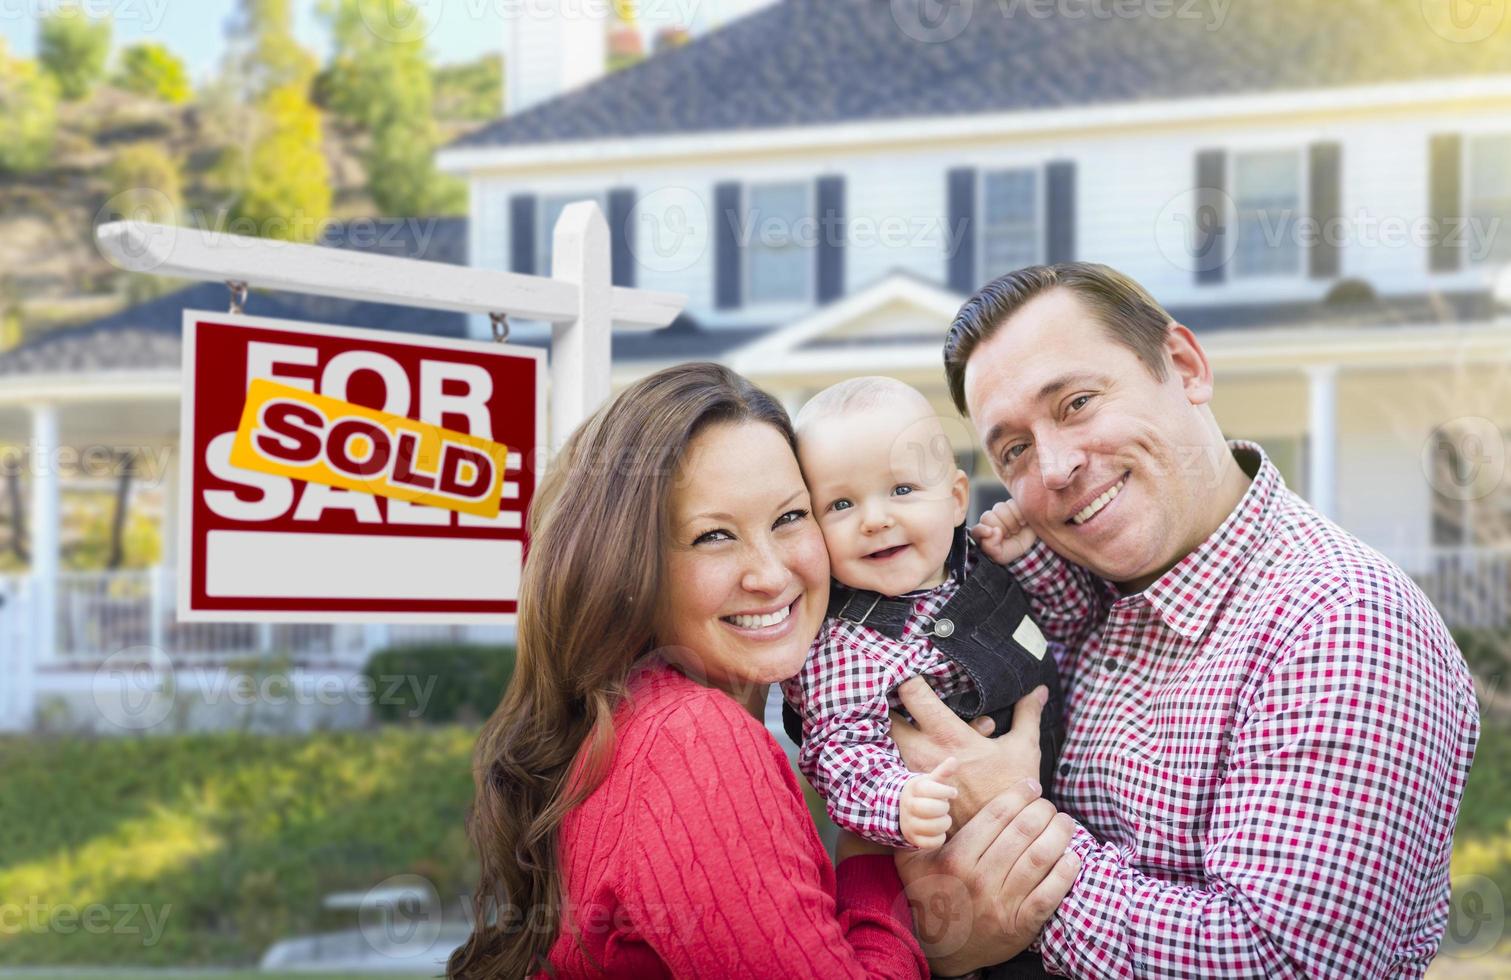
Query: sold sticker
{"type": "Point", "coordinates": [290, 432]}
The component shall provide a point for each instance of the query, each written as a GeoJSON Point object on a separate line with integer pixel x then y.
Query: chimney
{"type": "Point", "coordinates": [552, 47]}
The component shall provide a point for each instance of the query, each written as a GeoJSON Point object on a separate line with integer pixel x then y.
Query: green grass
{"type": "Point", "coordinates": [240, 836]}
{"type": "Point", "coordinates": [1482, 843]}
{"type": "Point", "coordinates": [228, 841]}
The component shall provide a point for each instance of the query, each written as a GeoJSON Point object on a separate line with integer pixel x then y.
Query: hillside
{"type": "Point", "coordinates": [50, 271]}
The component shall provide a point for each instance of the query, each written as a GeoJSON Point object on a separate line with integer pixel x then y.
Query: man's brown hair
{"type": "Point", "coordinates": [1130, 315]}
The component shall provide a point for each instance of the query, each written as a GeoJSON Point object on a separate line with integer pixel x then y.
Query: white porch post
{"type": "Point", "coordinates": [1322, 427]}
{"type": "Point", "coordinates": [163, 580]}
{"type": "Point", "coordinates": [581, 347]}
{"type": "Point", "coordinates": [44, 531]}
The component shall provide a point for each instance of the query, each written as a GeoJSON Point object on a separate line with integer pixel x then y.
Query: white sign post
{"type": "Point", "coordinates": [578, 299]}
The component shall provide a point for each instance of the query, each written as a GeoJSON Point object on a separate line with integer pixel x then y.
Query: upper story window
{"type": "Point", "coordinates": [551, 207]}
{"type": "Point", "coordinates": [1267, 187]}
{"type": "Point", "coordinates": [1489, 198]}
{"type": "Point", "coordinates": [1010, 220]}
{"type": "Point", "coordinates": [778, 261]}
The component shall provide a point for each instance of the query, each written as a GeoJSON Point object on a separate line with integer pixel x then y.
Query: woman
{"type": "Point", "coordinates": [630, 820]}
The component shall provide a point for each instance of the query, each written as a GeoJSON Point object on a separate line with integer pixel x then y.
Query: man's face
{"type": "Point", "coordinates": [1107, 463]}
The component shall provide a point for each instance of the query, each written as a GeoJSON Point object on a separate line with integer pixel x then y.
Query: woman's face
{"type": "Point", "coordinates": [747, 575]}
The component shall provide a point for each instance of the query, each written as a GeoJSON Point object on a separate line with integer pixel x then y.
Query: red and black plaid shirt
{"type": "Point", "coordinates": [1267, 749]}
{"type": "Point", "coordinates": [843, 694]}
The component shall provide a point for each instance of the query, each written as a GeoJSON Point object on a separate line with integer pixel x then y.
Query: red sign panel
{"type": "Point", "coordinates": [431, 427]}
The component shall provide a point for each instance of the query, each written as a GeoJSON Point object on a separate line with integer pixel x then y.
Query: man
{"type": "Point", "coordinates": [1269, 725]}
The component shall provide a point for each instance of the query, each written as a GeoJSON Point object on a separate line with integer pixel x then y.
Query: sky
{"type": "Point", "coordinates": [195, 29]}
{"type": "Point", "coordinates": [460, 30]}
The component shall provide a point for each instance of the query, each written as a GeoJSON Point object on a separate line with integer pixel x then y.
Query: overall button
{"type": "Point", "coordinates": [944, 627]}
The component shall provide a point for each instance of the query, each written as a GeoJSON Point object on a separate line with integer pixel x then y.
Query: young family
{"type": "Point", "coordinates": [1153, 716]}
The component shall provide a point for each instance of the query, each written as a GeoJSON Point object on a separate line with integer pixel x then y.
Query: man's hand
{"type": "Point", "coordinates": [987, 766]}
{"type": "Point", "coordinates": [1003, 534]}
{"type": "Point", "coordinates": [985, 895]}
{"type": "Point", "coordinates": [926, 805]}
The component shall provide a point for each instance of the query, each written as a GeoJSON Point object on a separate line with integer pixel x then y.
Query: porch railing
{"type": "Point", "coordinates": [1471, 587]}
{"type": "Point", "coordinates": [100, 613]}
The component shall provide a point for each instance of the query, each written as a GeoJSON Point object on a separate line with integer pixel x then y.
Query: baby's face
{"type": "Point", "coordinates": [888, 496]}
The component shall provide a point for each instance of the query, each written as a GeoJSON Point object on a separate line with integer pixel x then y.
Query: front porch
{"type": "Point", "coordinates": [75, 640]}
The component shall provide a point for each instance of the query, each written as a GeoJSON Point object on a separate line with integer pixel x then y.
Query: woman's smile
{"type": "Point", "coordinates": [764, 625]}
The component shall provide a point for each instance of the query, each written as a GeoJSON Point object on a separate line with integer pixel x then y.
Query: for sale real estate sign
{"type": "Point", "coordinates": [332, 474]}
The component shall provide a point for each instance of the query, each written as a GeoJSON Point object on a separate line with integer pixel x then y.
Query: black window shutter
{"type": "Point", "coordinates": [1210, 217]}
{"type": "Point", "coordinates": [1445, 202]}
{"type": "Point", "coordinates": [621, 227]}
{"type": "Point", "coordinates": [832, 229]}
{"type": "Point", "coordinates": [960, 264]}
{"type": "Point", "coordinates": [522, 233]}
{"type": "Point", "coordinates": [1325, 260]}
{"type": "Point", "coordinates": [1060, 207]}
{"type": "Point", "coordinates": [727, 246]}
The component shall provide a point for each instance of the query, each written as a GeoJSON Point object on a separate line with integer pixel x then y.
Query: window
{"type": "Point", "coordinates": [1009, 221]}
{"type": "Point", "coordinates": [1489, 234]}
{"type": "Point", "coordinates": [1267, 195]}
{"type": "Point", "coordinates": [551, 207]}
{"type": "Point", "coordinates": [777, 265]}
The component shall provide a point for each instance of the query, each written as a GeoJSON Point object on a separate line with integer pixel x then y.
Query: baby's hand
{"type": "Point", "coordinates": [1003, 534]}
{"type": "Point", "coordinates": [926, 806]}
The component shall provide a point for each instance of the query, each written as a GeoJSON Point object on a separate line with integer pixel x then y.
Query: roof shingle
{"type": "Point", "coordinates": [813, 62]}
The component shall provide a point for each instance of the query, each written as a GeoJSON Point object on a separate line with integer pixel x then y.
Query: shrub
{"type": "Point", "coordinates": [28, 114]}
{"type": "Point", "coordinates": [151, 69]}
{"type": "Point", "coordinates": [439, 682]}
{"type": "Point", "coordinates": [73, 48]}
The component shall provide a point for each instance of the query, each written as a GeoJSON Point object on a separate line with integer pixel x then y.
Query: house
{"type": "Point", "coordinates": [1321, 191]}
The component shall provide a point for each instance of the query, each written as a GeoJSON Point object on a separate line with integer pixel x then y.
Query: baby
{"type": "Point", "coordinates": [911, 597]}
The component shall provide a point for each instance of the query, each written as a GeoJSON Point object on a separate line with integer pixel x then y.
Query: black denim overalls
{"type": "Point", "coordinates": [979, 629]}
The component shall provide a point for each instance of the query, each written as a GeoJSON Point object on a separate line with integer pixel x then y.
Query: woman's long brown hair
{"type": "Point", "coordinates": [587, 606]}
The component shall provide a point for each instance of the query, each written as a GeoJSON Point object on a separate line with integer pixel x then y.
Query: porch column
{"type": "Point", "coordinates": [44, 531]}
{"type": "Point", "coordinates": [1322, 444]}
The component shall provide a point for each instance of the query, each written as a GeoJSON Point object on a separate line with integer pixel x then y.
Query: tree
{"type": "Point", "coordinates": [473, 91]}
{"type": "Point", "coordinates": [145, 184]}
{"type": "Point", "coordinates": [28, 114]}
{"type": "Point", "coordinates": [73, 49]}
{"type": "Point", "coordinates": [285, 186]}
{"type": "Point", "coordinates": [262, 52]}
{"type": "Point", "coordinates": [151, 69]}
{"type": "Point", "coordinates": [380, 80]}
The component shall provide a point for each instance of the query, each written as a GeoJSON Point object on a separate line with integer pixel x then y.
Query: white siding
{"type": "Point", "coordinates": [895, 198]}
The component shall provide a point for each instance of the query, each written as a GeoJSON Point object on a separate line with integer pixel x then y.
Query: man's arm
{"type": "Point", "coordinates": [1329, 833]}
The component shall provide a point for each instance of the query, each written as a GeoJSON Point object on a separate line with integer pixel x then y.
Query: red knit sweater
{"type": "Point", "coordinates": [696, 857]}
